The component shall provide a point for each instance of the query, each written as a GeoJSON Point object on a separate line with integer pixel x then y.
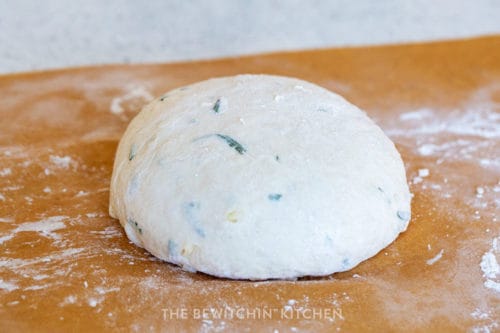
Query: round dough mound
{"type": "Point", "coordinates": [258, 177]}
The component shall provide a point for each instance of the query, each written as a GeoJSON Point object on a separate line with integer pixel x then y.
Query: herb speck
{"type": "Point", "coordinates": [133, 152]}
{"type": "Point", "coordinates": [216, 106]}
{"type": "Point", "coordinates": [135, 225]}
{"type": "Point", "coordinates": [192, 214]}
{"type": "Point", "coordinates": [274, 196]}
{"type": "Point", "coordinates": [232, 216]}
{"type": "Point", "coordinates": [403, 215]}
{"type": "Point", "coordinates": [233, 143]}
{"type": "Point", "coordinates": [345, 262]}
{"type": "Point", "coordinates": [172, 248]}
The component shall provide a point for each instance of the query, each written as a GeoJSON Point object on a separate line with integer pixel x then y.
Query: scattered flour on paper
{"type": "Point", "coordinates": [481, 123]}
{"type": "Point", "coordinates": [36, 272]}
{"type": "Point", "coordinates": [62, 162]}
{"type": "Point", "coordinates": [22, 266]}
{"type": "Point", "coordinates": [5, 172]}
{"type": "Point", "coordinates": [70, 299]}
{"type": "Point", "coordinates": [109, 232]}
{"type": "Point", "coordinates": [486, 323]}
{"type": "Point", "coordinates": [8, 286]}
{"type": "Point", "coordinates": [417, 115]}
{"type": "Point", "coordinates": [469, 127]}
{"type": "Point", "coordinates": [490, 267]}
{"type": "Point", "coordinates": [422, 173]}
{"type": "Point", "coordinates": [435, 259]}
{"type": "Point", "coordinates": [136, 94]}
{"type": "Point", "coordinates": [469, 134]}
{"type": "Point", "coordinates": [44, 227]}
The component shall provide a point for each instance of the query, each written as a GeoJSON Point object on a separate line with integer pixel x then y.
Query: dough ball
{"type": "Point", "coordinates": [258, 177]}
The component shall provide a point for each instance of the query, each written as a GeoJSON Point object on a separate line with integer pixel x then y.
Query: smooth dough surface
{"type": "Point", "coordinates": [258, 177]}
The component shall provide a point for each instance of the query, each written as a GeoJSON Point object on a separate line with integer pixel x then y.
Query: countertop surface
{"type": "Point", "coordinates": [65, 265]}
{"type": "Point", "coordinates": [58, 33]}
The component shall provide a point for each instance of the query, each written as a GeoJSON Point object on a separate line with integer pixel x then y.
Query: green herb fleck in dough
{"type": "Point", "coordinates": [403, 215]}
{"type": "Point", "coordinates": [216, 106]}
{"type": "Point", "coordinates": [134, 225]}
{"type": "Point", "coordinates": [387, 198]}
{"type": "Point", "coordinates": [233, 143]}
{"type": "Point", "coordinates": [192, 214]}
{"type": "Point", "coordinates": [274, 196]}
{"type": "Point", "coordinates": [172, 248]}
{"type": "Point", "coordinates": [162, 98]}
{"type": "Point", "coordinates": [345, 263]}
{"type": "Point", "coordinates": [132, 153]}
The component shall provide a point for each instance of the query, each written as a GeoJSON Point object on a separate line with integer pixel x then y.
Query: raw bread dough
{"type": "Point", "coordinates": [258, 177]}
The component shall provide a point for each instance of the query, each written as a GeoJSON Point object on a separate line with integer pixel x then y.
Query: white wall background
{"type": "Point", "coordinates": [38, 34]}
